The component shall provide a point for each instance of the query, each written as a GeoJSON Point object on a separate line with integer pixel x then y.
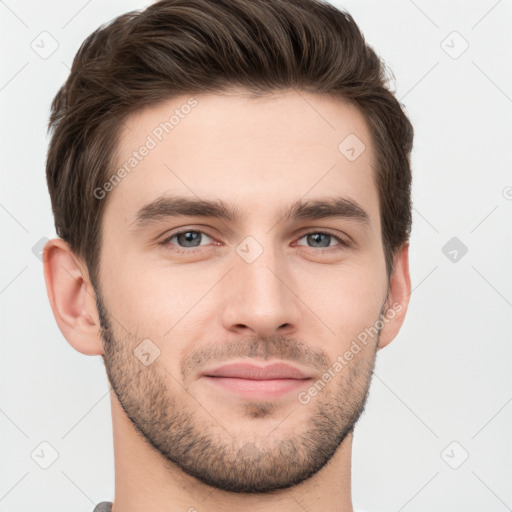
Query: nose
{"type": "Point", "coordinates": [259, 297]}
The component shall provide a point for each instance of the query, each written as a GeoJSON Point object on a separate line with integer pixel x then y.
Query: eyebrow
{"type": "Point", "coordinates": [178, 206]}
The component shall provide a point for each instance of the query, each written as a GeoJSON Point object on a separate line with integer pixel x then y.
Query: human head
{"type": "Point", "coordinates": [245, 115]}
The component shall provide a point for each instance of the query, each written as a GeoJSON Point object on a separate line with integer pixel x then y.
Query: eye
{"type": "Point", "coordinates": [322, 240]}
{"type": "Point", "coordinates": [186, 239]}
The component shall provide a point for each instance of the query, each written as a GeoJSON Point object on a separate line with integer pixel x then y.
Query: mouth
{"type": "Point", "coordinates": [257, 382]}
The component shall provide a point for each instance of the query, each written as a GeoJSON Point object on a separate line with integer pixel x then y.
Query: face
{"type": "Point", "coordinates": [261, 274]}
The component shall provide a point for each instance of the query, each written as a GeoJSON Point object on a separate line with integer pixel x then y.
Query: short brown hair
{"type": "Point", "coordinates": [177, 47]}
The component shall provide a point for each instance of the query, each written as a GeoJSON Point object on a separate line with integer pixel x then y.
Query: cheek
{"type": "Point", "coordinates": [154, 301]}
{"type": "Point", "coordinates": [347, 298]}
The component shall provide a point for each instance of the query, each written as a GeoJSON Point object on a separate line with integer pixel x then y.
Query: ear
{"type": "Point", "coordinates": [72, 297]}
{"type": "Point", "coordinates": [398, 297]}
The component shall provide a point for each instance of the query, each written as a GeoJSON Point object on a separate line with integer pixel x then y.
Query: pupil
{"type": "Point", "coordinates": [189, 236]}
{"type": "Point", "coordinates": [316, 238]}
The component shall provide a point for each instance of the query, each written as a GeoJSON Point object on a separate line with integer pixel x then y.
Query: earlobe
{"type": "Point", "coordinates": [72, 298]}
{"type": "Point", "coordinates": [398, 297]}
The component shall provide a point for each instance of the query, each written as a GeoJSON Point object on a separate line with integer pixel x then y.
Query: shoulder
{"type": "Point", "coordinates": [104, 506]}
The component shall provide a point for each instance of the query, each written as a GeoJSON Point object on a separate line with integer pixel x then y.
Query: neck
{"type": "Point", "coordinates": [145, 480]}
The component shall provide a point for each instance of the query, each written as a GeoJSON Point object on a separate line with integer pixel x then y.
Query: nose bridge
{"type": "Point", "coordinates": [259, 295]}
{"type": "Point", "coordinates": [261, 275]}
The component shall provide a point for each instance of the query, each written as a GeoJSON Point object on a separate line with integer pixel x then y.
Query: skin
{"type": "Point", "coordinates": [179, 442]}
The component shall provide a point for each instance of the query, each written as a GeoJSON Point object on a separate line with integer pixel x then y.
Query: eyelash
{"type": "Point", "coordinates": [343, 244]}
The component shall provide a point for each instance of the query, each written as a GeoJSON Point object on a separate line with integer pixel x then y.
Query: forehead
{"type": "Point", "coordinates": [253, 152]}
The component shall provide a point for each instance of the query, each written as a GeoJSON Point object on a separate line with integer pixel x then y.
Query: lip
{"type": "Point", "coordinates": [257, 382]}
{"type": "Point", "coordinates": [253, 372]}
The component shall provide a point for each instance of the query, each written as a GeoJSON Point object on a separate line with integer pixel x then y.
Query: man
{"type": "Point", "coordinates": [230, 182]}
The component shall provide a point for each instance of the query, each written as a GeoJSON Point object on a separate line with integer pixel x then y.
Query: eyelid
{"type": "Point", "coordinates": [178, 231]}
{"type": "Point", "coordinates": [347, 242]}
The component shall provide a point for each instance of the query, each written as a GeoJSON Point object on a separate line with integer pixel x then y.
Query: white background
{"type": "Point", "coordinates": [445, 378]}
